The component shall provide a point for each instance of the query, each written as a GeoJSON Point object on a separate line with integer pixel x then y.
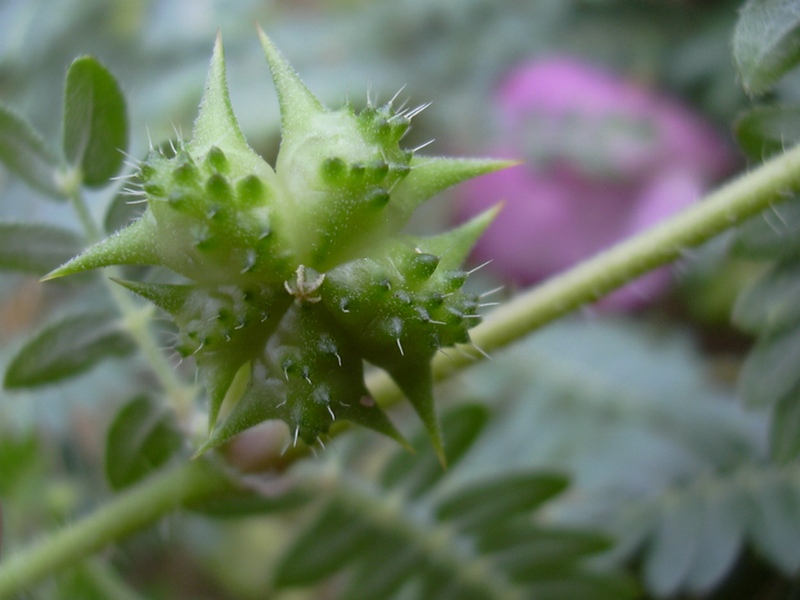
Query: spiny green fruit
{"type": "Point", "coordinates": [300, 274]}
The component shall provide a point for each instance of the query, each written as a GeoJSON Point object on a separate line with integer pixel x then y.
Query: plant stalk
{"type": "Point", "coordinates": [137, 322]}
{"type": "Point", "coordinates": [131, 511]}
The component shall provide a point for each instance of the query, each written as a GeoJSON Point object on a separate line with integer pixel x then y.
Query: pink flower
{"type": "Point", "coordinates": [604, 159]}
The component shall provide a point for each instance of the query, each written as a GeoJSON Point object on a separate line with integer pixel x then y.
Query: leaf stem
{"type": "Point", "coordinates": [135, 509]}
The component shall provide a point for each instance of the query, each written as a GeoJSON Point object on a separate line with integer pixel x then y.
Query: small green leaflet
{"type": "Point", "coordinates": [766, 42]}
{"type": "Point", "coordinates": [95, 121]}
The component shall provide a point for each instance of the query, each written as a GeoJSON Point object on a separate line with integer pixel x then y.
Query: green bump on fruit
{"type": "Point", "coordinates": [298, 275]}
{"type": "Point", "coordinates": [309, 375]}
{"type": "Point", "coordinates": [222, 327]}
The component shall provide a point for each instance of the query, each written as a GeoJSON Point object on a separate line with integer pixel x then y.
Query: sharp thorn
{"type": "Point", "coordinates": [492, 291]}
{"type": "Point", "coordinates": [413, 113]}
{"type": "Point", "coordinates": [446, 354]}
{"type": "Point", "coordinates": [480, 266]}
{"type": "Point", "coordinates": [397, 93]}
{"type": "Point", "coordinates": [421, 146]}
{"type": "Point", "coordinates": [481, 350]}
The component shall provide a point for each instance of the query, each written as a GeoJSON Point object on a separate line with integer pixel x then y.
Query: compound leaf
{"type": "Point", "coordinates": [401, 538]}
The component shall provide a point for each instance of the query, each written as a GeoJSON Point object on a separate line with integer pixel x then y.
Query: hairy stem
{"type": "Point", "coordinates": [742, 198]}
{"type": "Point", "coordinates": [133, 510]}
{"type": "Point", "coordinates": [136, 320]}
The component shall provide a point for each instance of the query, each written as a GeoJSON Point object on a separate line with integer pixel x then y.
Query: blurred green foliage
{"type": "Point", "coordinates": [667, 480]}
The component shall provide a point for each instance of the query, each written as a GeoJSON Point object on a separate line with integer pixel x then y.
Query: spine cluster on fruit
{"type": "Point", "coordinates": [299, 274]}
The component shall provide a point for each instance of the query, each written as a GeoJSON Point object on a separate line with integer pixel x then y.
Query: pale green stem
{"type": "Point", "coordinates": [136, 319]}
{"type": "Point", "coordinates": [131, 511]}
{"type": "Point", "coordinates": [742, 198]}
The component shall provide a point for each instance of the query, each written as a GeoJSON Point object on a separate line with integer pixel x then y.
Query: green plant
{"type": "Point", "coordinates": [283, 282]}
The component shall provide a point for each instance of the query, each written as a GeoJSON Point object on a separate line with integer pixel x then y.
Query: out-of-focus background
{"type": "Point", "coordinates": [620, 112]}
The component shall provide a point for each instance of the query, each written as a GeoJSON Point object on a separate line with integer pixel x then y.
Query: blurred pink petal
{"type": "Point", "coordinates": [605, 159]}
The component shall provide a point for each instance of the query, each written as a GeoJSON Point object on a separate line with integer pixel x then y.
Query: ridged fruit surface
{"type": "Point", "coordinates": [301, 273]}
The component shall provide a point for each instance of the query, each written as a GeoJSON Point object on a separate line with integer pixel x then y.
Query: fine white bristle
{"type": "Point", "coordinates": [492, 291]}
{"type": "Point", "coordinates": [397, 93]}
{"type": "Point", "coordinates": [421, 146]}
{"type": "Point", "coordinates": [479, 267]}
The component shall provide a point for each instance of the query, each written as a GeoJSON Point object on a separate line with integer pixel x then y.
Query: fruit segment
{"type": "Point", "coordinates": [298, 275]}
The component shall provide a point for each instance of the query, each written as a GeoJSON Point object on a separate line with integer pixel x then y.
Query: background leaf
{"type": "Point", "coordinates": [646, 435]}
{"type": "Point", "coordinates": [416, 473]}
{"type": "Point", "coordinates": [769, 304]}
{"type": "Point", "coordinates": [36, 248]}
{"type": "Point", "coordinates": [493, 500]}
{"type": "Point", "coordinates": [767, 130]}
{"type": "Point", "coordinates": [142, 437]}
{"type": "Point", "coordinates": [766, 42]}
{"type": "Point", "coordinates": [400, 535]}
{"type": "Point", "coordinates": [770, 372]}
{"type": "Point", "coordinates": [67, 348]}
{"type": "Point", "coordinates": [24, 152]}
{"type": "Point", "coordinates": [95, 121]}
{"type": "Point", "coordinates": [775, 525]}
{"type": "Point", "coordinates": [785, 431]}
{"type": "Point", "coordinates": [773, 233]}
